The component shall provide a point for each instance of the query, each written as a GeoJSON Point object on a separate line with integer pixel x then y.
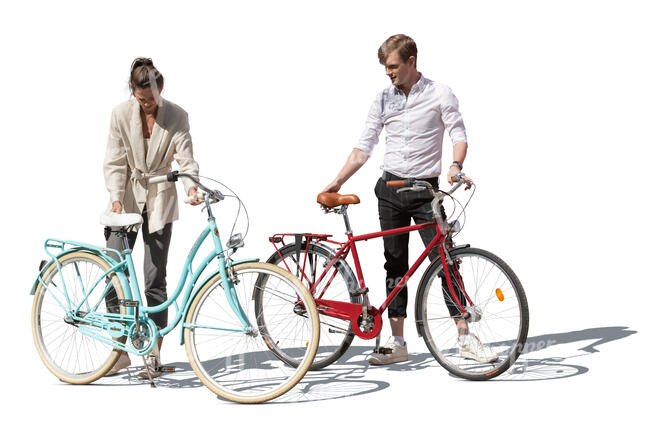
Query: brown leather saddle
{"type": "Point", "coordinates": [334, 199]}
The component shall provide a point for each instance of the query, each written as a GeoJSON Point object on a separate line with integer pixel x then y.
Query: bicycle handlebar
{"type": "Point", "coordinates": [215, 195]}
{"type": "Point", "coordinates": [414, 183]}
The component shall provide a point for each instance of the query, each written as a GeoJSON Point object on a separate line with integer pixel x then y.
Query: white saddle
{"type": "Point", "coordinates": [119, 220]}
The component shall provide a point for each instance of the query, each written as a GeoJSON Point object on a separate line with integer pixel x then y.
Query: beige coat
{"type": "Point", "coordinates": [127, 168]}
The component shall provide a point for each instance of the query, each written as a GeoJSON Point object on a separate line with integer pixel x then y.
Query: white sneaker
{"type": "Point", "coordinates": [122, 363]}
{"type": "Point", "coordinates": [392, 352]}
{"type": "Point", "coordinates": [471, 347]}
{"type": "Point", "coordinates": [153, 363]}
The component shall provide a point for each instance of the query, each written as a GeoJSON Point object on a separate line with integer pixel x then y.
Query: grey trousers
{"type": "Point", "coordinates": [156, 248]}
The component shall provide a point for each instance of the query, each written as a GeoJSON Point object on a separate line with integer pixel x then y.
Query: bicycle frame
{"type": "Point", "coordinates": [108, 321]}
{"type": "Point", "coordinates": [353, 311]}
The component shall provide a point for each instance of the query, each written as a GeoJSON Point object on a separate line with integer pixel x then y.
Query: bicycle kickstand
{"type": "Point", "coordinates": [146, 367]}
{"type": "Point", "coordinates": [377, 342]}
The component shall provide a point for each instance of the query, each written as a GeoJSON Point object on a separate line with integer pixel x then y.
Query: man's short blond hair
{"type": "Point", "coordinates": [404, 45]}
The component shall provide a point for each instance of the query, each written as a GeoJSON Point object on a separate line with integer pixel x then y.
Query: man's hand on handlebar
{"type": "Point", "coordinates": [453, 177]}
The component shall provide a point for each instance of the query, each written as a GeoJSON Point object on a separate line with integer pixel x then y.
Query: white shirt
{"type": "Point", "coordinates": [414, 128]}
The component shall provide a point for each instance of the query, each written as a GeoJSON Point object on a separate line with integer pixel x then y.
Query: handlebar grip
{"type": "Point", "coordinates": [395, 184]}
{"type": "Point", "coordinates": [158, 179]}
{"type": "Point", "coordinates": [459, 177]}
{"type": "Point", "coordinates": [170, 177]}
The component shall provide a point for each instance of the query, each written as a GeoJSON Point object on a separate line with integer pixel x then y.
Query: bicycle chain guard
{"type": "Point", "coordinates": [369, 327]}
{"type": "Point", "coordinates": [142, 335]}
{"type": "Point", "coordinates": [353, 312]}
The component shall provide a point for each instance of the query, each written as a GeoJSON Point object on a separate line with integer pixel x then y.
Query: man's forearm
{"type": "Point", "coordinates": [355, 160]}
{"type": "Point", "coordinates": [460, 152]}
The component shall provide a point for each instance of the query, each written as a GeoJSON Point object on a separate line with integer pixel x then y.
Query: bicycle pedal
{"type": "Point", "coordinates": [128, 303]}
{"type": "Point", "coordinates": [382, 350]}
{"type": "Point", "coordinates": [167, 369]}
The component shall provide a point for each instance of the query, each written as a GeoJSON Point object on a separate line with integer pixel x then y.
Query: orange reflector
{"type": "Point", "coordinates": [499, 294]}
{"type": "Point", "coordinates": [307, 344]}
{"type": "Point", "coordinates": [267, 342]}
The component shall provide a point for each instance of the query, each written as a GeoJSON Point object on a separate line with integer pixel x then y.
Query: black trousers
{"type": "Point", "coordinates": [396, 210]}
{"type": "Point", "coordinates": [156, 249]}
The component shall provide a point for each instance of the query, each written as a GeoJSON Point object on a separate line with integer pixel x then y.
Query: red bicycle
{"type": "Point", "coordinates": [466, 294]}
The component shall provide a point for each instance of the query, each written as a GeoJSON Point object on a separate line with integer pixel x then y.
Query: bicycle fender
{"type": "Point", "coordinates": [198, 288]}
{"type": "Point", "coordinates": [39, 277]}
{"type": "Point", "coordinates": [425, 276]}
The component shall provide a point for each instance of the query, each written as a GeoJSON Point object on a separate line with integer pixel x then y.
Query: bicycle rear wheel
{"type": "Point", "coordinates": [487, 287]}
{"type": "Point", "coordinates": [67, 352]}
{"type": "Point", "coordinates": [336, 335]}
{"type": "Point", "coordinates": [238, 363]}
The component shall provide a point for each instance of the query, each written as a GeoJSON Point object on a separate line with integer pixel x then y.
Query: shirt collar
{"type": "Point", "coordinates": [418, 86]}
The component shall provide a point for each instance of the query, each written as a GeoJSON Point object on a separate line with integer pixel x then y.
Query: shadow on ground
{"type": "Point", "coordinates": [352, 375]}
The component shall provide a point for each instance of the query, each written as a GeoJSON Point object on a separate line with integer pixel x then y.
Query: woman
{"type": "Point", "coordinates": [146, 134]}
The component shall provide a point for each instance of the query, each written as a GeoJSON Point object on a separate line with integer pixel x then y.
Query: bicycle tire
{"type": "Point", "coordinates": [495, 289]}
{"type": "Point", "coordinates": [336, 334]}
{"type": "Point", "coordinates": [240, 366]}
{"type": "Point", "coordinates": [66, 352]}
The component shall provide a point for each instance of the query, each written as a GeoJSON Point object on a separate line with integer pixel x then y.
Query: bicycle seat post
{"type": "Point", "coordinates": [344, 212]}
{"type": "Point", "coordinates": [121, 233]}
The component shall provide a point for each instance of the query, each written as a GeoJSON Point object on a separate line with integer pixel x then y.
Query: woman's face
{"type": "Point", "coordinates": [147, 98]}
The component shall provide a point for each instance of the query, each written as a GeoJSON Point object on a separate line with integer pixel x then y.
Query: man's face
{"type": "Point", "coordinates": [397, 70]}
{"type": "Point", "coordinates": [147, 98]}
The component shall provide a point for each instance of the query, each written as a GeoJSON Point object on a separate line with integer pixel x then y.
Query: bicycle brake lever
{"type": "Point", "coordinates": [209, 200]}
{"type": "Point", "coordinates": [218, 195]}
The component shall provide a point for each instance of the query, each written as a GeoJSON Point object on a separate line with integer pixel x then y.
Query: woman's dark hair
{"type": "Point", "coordinates": [144, 75]}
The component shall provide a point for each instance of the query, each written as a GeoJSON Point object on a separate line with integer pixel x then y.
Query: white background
{"type": "Point", "coordinates": [555, 100]}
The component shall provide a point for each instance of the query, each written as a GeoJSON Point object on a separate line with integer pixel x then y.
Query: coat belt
{"type": "Point", "coordinates": [140, 182]}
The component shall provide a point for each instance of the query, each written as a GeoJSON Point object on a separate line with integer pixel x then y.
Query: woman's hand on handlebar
{"type": "Point", "coordinates": [193, 197]}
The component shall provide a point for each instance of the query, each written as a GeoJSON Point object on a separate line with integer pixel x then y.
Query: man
{"type": "Point", "coordinates": [415, 112]}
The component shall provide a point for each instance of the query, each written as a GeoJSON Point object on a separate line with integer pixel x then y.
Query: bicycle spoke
{"type": "Point", "coordinates": [69, 354]}
{"type": "Point", "coordinates": [242, 365]}
{"type": "Point", "coordinates": [498, 322]}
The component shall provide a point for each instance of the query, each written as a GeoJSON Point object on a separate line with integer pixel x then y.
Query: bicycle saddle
{"type": "Point", "coordinates": [119, 220]}
{"type": "Point", "coordinates": [333, 199]}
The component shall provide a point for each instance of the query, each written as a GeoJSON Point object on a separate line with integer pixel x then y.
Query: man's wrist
{"type": "Point", "coordinates": [457, 164]}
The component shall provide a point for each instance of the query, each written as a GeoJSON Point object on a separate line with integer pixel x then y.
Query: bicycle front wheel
{"type": "Point", "coordinates": [486, 340]}
{"type": "Point", "coordinates": [238, 362]}
{"type": "Point", "coordinates": [338, 284]}
{"type": "Point", "coordinates": [67, 351]}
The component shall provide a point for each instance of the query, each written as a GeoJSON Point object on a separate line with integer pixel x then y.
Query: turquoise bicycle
{"type": "Point", "coordinates": [87, 308]}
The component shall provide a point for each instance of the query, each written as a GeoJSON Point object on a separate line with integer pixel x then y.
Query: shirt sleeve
{"type": "Point", "coordinates": [374, 125]}
{"type": "Point", "coordinates": [184, 153]}
{"type": "Point", "coordinates": [115, 164]}
{"type": "Point", "coordinates": [452, 118]}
